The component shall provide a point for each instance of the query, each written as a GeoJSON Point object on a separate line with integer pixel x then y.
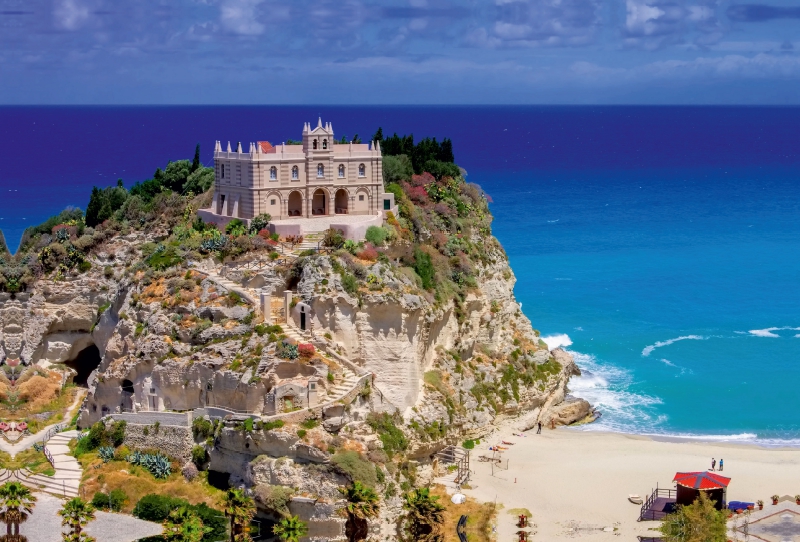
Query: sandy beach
{"type": "Point", "coordinates": [572, 479]}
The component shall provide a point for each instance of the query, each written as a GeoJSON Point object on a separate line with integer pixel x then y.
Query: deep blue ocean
{"type": "Point", "coordinates": [660, 245]}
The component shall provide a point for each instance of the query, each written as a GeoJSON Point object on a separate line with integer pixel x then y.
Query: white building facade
{"type": "Point", "coordinates": [319, 178]}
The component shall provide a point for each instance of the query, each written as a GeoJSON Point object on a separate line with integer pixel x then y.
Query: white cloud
{"type": "Point", "coordinates": [641, 18]}
{"type": "Point", "coordinates": [239, 17]}
{"type": "Point", "coordinates": [70, 14]}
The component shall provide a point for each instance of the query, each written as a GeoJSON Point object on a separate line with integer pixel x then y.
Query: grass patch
{"type": "Point", "coordinates": [34, 461]}
{"type": "Point", "coordinates": [519, 512]}
{"type": "Point", "coordinates": [480, 517]}
{"type": "Point", "coordinates": [137, 482]}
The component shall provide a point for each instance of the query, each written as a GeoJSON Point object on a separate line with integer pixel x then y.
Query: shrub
{"type": "Point", "coordinates": [117, 432]}
{"type": "Point", "coordinates": [310, 423]}
{"type": "Point", "coordinates": [369, 253]}
{"type": "Point", "coordinates": [301, 433]}
{"type": "Point", "coordinates": [333, 238]}
{"type": "Point", "coordinates": [349, 283]}
{"type": "Point", "coordinates": [424, 268]}
{"type": "Point", "coordinates": [113, 501]}
{"type": "Point", "coordinates": [202, 428]}
{"type": "Point", "coordinates": [84, 266]}
{"type": "Point", "coordinates": [260, 222]}
{"type": "Point", "coordinates": [376, 235]}
{"type": "Point", "coordinates": [392, 437]}
{"type": "Point", "coordinates": [468, 444]}
{"type": "Point", "coordinates": [189, 471]}
{"type": "Point", "coordinates": [306, 350]}
{"type": "Point", "coordinates": [353, 465]}
{"type": "Point", "coordinates": [235, 228]}
{"type": "Point", "coordinates": [275, 424]}
{"type": "Point", "coordinates": [108, 271]}
{"type": "Point", "coordinates": [274, 498]}
{"type": "Point", "coordinates": [199, 456]}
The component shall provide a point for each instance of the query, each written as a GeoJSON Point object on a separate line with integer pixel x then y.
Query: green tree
{"type": "Point", "coordinates": [240, 509]}
{"type": "Point", "coordinates": [196, 162]}
{"type": "Point", "coordinates": [362, 501]}
{"type": "Point", "coordinates": [260, 222]}
{"type": "Point", "coordinates": [75, 514]}
{"type": "Point", "coordinates": [397, 168]}
{"type": "Point", "coordinates": [697, 522]}
{"type": "Point", "coordinates": [17, 503]}
{"type": "Point", "coordinates": [290, 529]}
{"type": "Point", "coordinates": [376, 235]}
{"type": "Point", "coordinates": [184, 525]}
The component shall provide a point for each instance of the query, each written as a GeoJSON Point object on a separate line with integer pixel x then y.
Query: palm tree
{"type": "Point", "coordinates": [362, 501]}
{"type": "Point", "coordinates": [424, 513]}
{"type": "Point", "coordinates": [184, 525]}
{"type": "Point", "coordinates": [76, 513]}
{"type": "Point", "coordinates": [290, 529]}
{"type": "Point", "coordinates": [18, 503]}
{"type": "Point", "coordinates": [240, 509]}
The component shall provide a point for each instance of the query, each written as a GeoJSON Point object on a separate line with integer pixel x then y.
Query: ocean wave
{"type": "Point", "coordinates": [770, 331]}
{"type": "Point", "coordinates": [606, 387]}
{"type": "Point", "coordinates": [649, 349]}
{"type": "Point", "coordinates": [557, 341]}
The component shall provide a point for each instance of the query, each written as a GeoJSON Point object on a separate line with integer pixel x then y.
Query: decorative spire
{"type": "Point", "coordinates": [217, 147]}
{"type": "Point", "coordinates": [319, 122]}
{"type": "Point", "coordinates": [229, 146]}
{"type": "Point", "coordinates": [377, 145]}
{"type": "Point", "coordinates": [239, 147]}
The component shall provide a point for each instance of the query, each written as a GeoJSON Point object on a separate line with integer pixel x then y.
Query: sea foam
{"type": "Point", "coordinates": [770, 331]}
{"type": "Point", "coordinates": [557, 341]}
{"type": "Point", "coordinates": [649, 349]}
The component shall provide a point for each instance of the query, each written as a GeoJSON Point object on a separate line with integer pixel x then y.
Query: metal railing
{"type": "Point", "coordinates": [646, 514]}
{"type": "Point", "coordinates": [49, 456]}
{"type": "Point", "coordinates": [57, 428]}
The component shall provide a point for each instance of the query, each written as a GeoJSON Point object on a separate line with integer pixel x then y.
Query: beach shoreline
{"type": "Point", "coordinates": [577, 482]}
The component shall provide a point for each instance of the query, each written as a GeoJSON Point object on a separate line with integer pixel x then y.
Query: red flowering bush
{"type": "Point", "coordinates": [369, 253]}
{"type": "Point", "coordinates": [264, 234]}
{"type": "Point", "coordinates": [306, 350]}
{"type": "Point", "coordinates": [422, 180]}
{"type": "Point", "coordinates": [417, 194]}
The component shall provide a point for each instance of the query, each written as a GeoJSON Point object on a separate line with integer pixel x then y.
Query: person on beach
{"type": "Point", "coordinates": [539, 429]}
{"type": "Point", "coordinates": [720, 464]}
{"type": "Point", "coordinates": [713, 463]}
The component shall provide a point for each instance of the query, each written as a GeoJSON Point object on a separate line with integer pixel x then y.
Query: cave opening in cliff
{"type": "Point", "coordinates": [84, 363]}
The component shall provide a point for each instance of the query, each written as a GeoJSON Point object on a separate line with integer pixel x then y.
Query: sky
{"type": "Point", "coordinates": [399, 52]}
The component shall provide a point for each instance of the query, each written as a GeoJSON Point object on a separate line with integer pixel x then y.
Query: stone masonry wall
{"type": "Point", "coordinates": [171, 440]}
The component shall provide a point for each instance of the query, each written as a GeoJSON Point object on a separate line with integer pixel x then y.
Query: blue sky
{"type": "Point", "coordinates": [399, 51]}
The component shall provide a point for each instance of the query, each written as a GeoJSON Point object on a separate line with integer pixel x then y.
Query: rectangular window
{"type": "Point", "coordinates": [272, 202]}
{"type": "Point", "coordinates": [387, 204]}
{"type": "Point", "coordinates": [223, 171]}
{"type": "Point", "coordinates": [361, 197]}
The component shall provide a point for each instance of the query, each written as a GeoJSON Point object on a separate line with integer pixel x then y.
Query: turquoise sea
{"type": "Point", "coordinates": [660, 245]}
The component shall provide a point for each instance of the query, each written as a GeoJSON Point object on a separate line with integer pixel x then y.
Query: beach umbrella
{"type": "Point", "coordinates": [701, 480]}
{"type": "Point", "coordinates": [458, 498]}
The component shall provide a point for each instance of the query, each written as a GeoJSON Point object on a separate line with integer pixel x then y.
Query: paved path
{"type": "Point", "coordinates": [44, 525]}
{"type": "Point", "coordinates": [67, 478]}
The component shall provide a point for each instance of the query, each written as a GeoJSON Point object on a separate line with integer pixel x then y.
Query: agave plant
{"type": "Point", "coordinates": [135, 458]}
{"type": "Point", "coordinates": [106, 453]}
{"type": "Point", "coordinates": [160, 467]}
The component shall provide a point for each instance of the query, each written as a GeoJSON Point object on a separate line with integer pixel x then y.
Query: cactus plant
{"type": "Point", "coordinates": [106, 453]}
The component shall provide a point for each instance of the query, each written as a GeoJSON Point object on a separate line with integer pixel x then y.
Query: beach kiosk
{"type": "Point", "coordinates": [690, 484]}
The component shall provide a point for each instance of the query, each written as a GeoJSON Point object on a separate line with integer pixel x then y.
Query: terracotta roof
{"type": "Point", "coordinates": [265, 146]}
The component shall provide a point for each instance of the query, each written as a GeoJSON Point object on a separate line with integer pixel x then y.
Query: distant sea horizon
{"type": "Point", "coordinates": [659, 245]}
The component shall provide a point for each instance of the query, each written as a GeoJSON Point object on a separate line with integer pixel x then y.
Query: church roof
{"type": "Point", "coordinates": [265, 146]}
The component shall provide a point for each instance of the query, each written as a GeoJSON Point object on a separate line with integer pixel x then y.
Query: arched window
{"type": "Point", "coordinates": [324, 143]}
{"type": "Point", "coordinates": [315, 144]}
{"type": "Point", "coordinates": [320, 171]}
{"type": "Point", "coordinates": [295, 173]}
{"type": "Point", "coordinates": [362, 170]}
{"type": "Point", "coordinates": [341, 171]}
{"type": "Point", "coordinates": [273, 173]}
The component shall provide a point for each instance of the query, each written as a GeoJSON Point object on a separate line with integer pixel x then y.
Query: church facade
{"type": "Point", "coordinates": [320, 177]}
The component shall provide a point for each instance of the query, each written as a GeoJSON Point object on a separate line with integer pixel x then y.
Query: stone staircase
{"type": "Point", "coordinates": [342, 385]}
{"type": "Point", "coordinates": [311, 240]}
{"type": "Point", "coordinates": [67, 479]}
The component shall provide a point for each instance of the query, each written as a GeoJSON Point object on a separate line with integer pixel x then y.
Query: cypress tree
{"type": "Point", "coordinates": [196, 161]}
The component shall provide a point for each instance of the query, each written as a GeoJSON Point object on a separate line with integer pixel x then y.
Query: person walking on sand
{"type": "Point", "coordinates": [539, 430]}
{"type": "Point", "coordinates": [713, 463]}
{"type": "Point", "coordinates": [720, 464]}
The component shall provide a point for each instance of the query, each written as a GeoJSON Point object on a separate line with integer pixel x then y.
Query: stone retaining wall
{"type": "Point", "coordinates": [180, 419]}
{"type": "Point", "coordinates": [174, 441]}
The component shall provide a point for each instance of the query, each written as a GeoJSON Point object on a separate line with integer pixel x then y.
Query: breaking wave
{"type": "Point", "coordinates": [557, 341]}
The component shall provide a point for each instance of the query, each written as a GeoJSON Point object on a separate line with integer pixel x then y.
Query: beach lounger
{"type": "Point", "coordinates": [635, 499]}
{"type": "Point", "coordinates": [506, 442]}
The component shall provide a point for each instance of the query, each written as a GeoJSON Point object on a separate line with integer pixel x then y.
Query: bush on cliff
{"type": "Point", "coordinates": [353, 465]}
{"type": "Point", "coordinates": [392, 437]}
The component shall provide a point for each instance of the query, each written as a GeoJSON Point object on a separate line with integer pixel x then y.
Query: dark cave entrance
{"type": "Point", "coordinates": [84, 363]}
